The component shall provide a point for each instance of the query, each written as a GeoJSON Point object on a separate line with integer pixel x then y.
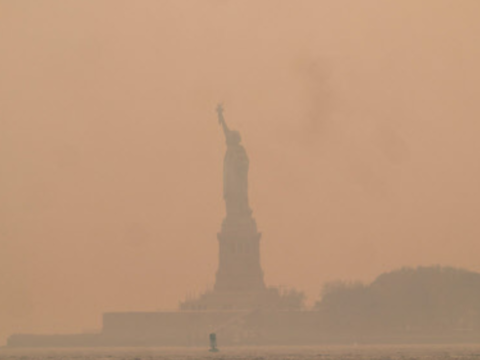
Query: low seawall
{"type": "Point", "coordinates": [192, 328]}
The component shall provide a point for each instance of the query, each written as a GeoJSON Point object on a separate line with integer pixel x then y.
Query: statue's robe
{"type": "Point", "coordinates": [235, 180]}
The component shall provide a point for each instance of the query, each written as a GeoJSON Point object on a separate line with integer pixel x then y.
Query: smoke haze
{"type": "Point", "coordinates": [360, 119]}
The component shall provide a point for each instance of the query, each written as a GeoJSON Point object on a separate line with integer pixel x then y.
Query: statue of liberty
{"type": "Point", "coordinates": [235, 171]}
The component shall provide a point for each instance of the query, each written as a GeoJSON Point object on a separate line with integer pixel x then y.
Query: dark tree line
{"type": "Point", "coordinates": [406, 300]}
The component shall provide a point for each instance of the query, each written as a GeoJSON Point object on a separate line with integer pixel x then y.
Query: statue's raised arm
{"type": "Point", "coordinates": [235, 171]}
{"type": "Point", "coordinates": [221, 120]}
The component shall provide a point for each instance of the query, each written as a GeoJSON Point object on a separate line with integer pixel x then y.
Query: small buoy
{"type": "Point", "coordinates": [213, 342]}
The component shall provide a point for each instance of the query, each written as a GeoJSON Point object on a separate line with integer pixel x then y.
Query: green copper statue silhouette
{"type": "Point", "coordinates": [235, 171]}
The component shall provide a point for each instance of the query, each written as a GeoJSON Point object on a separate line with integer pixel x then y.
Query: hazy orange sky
{"type": "Point", "coordinates": [361, 120]}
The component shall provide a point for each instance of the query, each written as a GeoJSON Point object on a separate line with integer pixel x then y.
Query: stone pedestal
{"type": "Point", "coordinates": [239, 268]}
{"type": "Point", "coordinates": [239, 281]}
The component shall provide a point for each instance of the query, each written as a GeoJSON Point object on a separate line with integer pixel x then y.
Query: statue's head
{"type": "Point", "coordinates": [234, 138]}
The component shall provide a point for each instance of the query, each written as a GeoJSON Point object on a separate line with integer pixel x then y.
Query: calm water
{"type": "Point", "coordinates": [463, 352]}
